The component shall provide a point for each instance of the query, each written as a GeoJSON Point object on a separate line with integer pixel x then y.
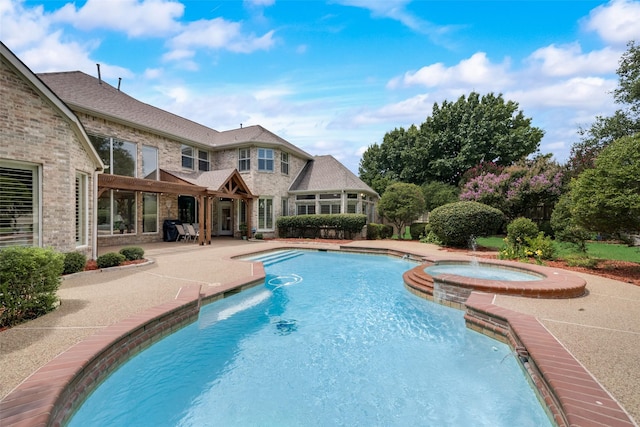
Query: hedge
{"type": "Point", "coordinates": [455, 223]}
{"type": "Point", "coordinates": [379, 231]}
{"type": "Point", "coordinates": [29, 279]}
{"type": "Point", "coordinates": [339, 226]}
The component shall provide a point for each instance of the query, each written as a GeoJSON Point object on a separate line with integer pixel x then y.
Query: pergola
{"type": "Point", "coordinates": [205, 186]}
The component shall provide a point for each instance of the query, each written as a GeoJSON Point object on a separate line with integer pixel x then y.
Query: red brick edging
{"type": "Point", "coordinates": [572, 395]}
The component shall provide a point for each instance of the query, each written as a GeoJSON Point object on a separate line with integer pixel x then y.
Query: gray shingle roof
{"type": "Point", "coordinates": [255, 135]}
{"type": "Point", "coordinates": [86, 93]}
{"type": "Point", "coordinates": [325, 173]}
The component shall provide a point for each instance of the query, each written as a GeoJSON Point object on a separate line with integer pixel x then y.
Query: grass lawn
{"type": "Point", "coordinates": [610, 251]}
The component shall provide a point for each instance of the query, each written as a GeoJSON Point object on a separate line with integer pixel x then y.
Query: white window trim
{"type": "Point", "coordinates": [37, 169]}
{"type": "Point", "coordinates": [84, 199]}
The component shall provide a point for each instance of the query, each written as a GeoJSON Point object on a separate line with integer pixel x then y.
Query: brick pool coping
{"type": "Point", "coordinates": [50, 396]}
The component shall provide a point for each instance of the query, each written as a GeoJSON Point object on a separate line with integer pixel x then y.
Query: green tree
{"type": "Point", "coordinates": [456, 137]}
{"type": "Point", "coordinates": [401, 204]}
{"type": "Point", "coordinates": [624, 122]}
{"type": "Point", "coordinates": [607, 197]}
{"type": "Point", "coordinates": [382, 165]}
{"type": "Point", "coordinates": [438, 193]}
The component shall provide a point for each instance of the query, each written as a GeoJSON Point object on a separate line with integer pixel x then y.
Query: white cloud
{"type": "Point", "coordinates": [30, 33]}
{"type": "Point", "coordinates": [617, 22]}
{"type": "Point", "coordinates": [589, 93]}
{"type": "Point", "coordinates": [135, 18]}
{"type": "Point", "coordinates": [152, 73]}
{"type": "Point", "coordinates": [219, 33]}
{"type": "Point", "coordinates": [568, 60]}
{"type": "Point", "coordinates": [477, 72]}
{"type": "Point", "coordinates": [22, 27]}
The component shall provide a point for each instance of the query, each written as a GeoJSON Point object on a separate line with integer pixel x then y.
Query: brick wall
{"type": "Point", "coordinates": [33, 130]}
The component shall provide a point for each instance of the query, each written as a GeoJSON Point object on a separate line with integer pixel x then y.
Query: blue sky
{"type": "Point", "coordinates": [333, 77]}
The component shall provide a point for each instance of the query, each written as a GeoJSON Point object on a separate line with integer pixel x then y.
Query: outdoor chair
{"type": "Point", "coordinates": [192, 232]}
{"type": "Point", "coordinates": [181, 233]}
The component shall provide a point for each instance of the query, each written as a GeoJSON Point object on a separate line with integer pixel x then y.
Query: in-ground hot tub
{"type": "Point", "coordinates": [454, 279]}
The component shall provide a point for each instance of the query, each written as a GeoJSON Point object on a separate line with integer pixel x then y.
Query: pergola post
{"type": "Point", "coordinates": [202, 218]}
{"type": "Point", "coordinates": [208, 219]}
{"type": "Point", "coordinates": [249, 216]}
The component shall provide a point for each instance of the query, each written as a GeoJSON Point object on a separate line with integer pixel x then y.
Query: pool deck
{"type": "Point", "coordinates": [600, 330]}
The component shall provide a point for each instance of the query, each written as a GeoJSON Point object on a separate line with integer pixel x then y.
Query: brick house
{"type": "Point", "coordinates": [48, 167]}
{"type": "Point", "coordinates": [161, 168]}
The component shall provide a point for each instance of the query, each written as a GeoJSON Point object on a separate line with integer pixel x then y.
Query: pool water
{"type": "Point", "coordinates": [330, 339]}
{"type": "Point", "coordinates": [482, 271]}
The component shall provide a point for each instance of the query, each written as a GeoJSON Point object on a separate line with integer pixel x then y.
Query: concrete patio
{"type": "Point", "coordinates": [601, 330]}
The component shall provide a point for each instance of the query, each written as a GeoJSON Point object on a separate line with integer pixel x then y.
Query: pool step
{"type": "Point", "coordinates": [277, 257]}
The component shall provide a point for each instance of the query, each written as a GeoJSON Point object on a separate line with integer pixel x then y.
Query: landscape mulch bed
{"type": "Point", "coordinates": [92, 265]}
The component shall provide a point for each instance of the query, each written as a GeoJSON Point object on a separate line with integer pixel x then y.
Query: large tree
{"type": "Point", "coordinates": [457, 136]}
{"type": "Point", "coordinates": [607, 197]}
{"type": "Point", "coordinates": [624, 122]}
{"type": "Point", "coordinates": [401, 204]}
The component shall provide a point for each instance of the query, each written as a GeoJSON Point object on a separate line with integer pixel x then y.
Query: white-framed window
{"type": "Point", "coordinates": [284, 163]}
{"type": "Point", "coordinates": [149, 213]}
{"type": "Point", "coordinates": [332, 208]}
{"type": "Point", "coordinates": [265, 159]}
{"type": "Point", "coordinates": [204, 164]}
{"type": "Point", "coordinates": [265, 213]}
{"type": "Point", "coordinates": [20, 205]}
{"type": "Point", "coordinates": [82, 213]}
{"type": "Point", "coordinates": [120, 157]}
{"type": "Point", "coordinates": [117, 212]}
{"type": "Point", "coordinates": [188, 157]}
{"type": "Point", "coordinates": [306, 209]}
{"type": "Point", "coordinates": [149, 162]}
{"type": "Point", "coordinates": [244, 159]}
{"type": "Point", "coordinates": [284, 211]}
{"type": "Point", "coordinates": [242, 212]}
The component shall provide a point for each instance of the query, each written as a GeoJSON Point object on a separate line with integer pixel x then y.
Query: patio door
{"type": "Point", "coordinates": [225, 223]}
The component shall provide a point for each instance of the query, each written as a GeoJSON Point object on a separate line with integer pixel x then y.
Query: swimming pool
{"type": "Point", "coordinates": [330, 339]}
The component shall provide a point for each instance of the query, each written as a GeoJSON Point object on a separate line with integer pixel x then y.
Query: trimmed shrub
{"type": "Point", "coordinates": [455, 223]}
{"type": "Point", "coordinates": [111, 259]}
{"type": "Point", "coordinates": [74, 262]}
{"type": "Point", "coordinates": [521, 229]}
{"type": "Point", "coordinates": [417, 230]}
{"type": "Point", "coordinates": [317, 226]}
{"type": "Point", "coordinates": [132, 253]}
{"type": "Point", "coordinates": [258, 236]}
{"type": "Point", "coordinates": [29, 279]}
{"type": "Point", "coordinates": [379, 231]}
